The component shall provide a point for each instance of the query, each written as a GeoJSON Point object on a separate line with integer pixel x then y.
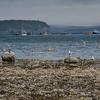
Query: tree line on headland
{"type": "Point", "coordinates": [18, 26]}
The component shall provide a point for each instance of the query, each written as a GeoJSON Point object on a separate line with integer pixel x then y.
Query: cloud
{"type": "Point", "coordinates": [69, 12]}
{"type": "Point", "coordinates": [47, 2]}
{"type": "Point", "coordinates": [80, 1]}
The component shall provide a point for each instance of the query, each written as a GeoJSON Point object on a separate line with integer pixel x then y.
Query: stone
{"type": "Point", "coordinates": [71, 60]}
{"type": "Point", "coordinates": [73, 65]}
{"type": "Point", "coordinates": [8, 56]}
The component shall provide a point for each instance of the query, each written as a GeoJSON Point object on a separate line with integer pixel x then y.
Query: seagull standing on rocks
{"type": "Point", "coordinates": [69, 53]}
{"type": "Point", "coordinates": [93, 58]}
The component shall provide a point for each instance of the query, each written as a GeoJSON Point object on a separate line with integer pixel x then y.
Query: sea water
{"type": "Point", "coordinates": [37, 46]}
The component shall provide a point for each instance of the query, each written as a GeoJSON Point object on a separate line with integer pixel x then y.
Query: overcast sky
{"type": "Point", "coordinates": [61, 12]}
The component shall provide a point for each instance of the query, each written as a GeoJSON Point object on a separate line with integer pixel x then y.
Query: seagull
{"type": "Point", "coordinates": [93, 58]}
{"type": "Point", "coordinates": [69, 53]}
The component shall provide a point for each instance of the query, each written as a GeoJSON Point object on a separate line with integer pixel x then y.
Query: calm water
{"type": "Point", "coordinates": [37, 46]}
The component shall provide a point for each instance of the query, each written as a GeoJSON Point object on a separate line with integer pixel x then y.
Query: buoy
{"type": "Point", "coordinates": [51, 49]}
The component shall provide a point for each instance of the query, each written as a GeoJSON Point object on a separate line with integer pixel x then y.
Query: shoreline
{"type": "Point", "coordinates": [49, 80]}
{"type": "Point", "coordinates": [82, 62]}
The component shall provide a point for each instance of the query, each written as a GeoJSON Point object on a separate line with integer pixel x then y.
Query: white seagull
{"type": "Point", "coordinates": [69, 53]}
{"type": "Point", "coordinates": [93, 58]}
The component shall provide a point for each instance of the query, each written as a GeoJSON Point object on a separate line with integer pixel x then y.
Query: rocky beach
{"type": "Point", "coordinates": [49, 49]}
{"type": "Point", "coordinates": [29, 79]}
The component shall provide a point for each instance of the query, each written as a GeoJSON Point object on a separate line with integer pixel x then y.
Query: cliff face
{"type": "Point", "coordinates": [13, 26]}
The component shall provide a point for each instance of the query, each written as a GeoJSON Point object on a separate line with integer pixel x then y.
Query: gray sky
{"type": "Point", "coordinates": [61, 12]}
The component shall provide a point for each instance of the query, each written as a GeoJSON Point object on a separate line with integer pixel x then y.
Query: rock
{"type": "Point", "coordinates": [2, 92]}
{"type": "Point", "coordinates": [39, 83]}
{"type": "Point", "coordinates": [73, 65]}
{"type": "Point", "coordinates": [71, 60]}
{"type": "Point", "coordinates": [8, 56]}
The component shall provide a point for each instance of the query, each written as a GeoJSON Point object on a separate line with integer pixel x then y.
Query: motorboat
{"type": "Point", "coordinates": [92, 32]}
{"type": "Point", "coordinates": [44, 33]}
{"type": "Point", "coordinates": [24, 34]}
{"type": "Point", "coordinates": [95, 32]}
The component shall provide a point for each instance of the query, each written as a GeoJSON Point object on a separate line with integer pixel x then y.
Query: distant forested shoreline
{"type": "Point", "coordinates": [18, 26]}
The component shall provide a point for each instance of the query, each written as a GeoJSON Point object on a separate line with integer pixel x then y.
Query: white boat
{"type": "Point", "coordinates": [92, 32]}
{"type": "Point", "coordinates": [23, 34]}
{"type": "Point", "coordinates": [44, 33]}
{"type": "Point", "coordinates": [95, 32]}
